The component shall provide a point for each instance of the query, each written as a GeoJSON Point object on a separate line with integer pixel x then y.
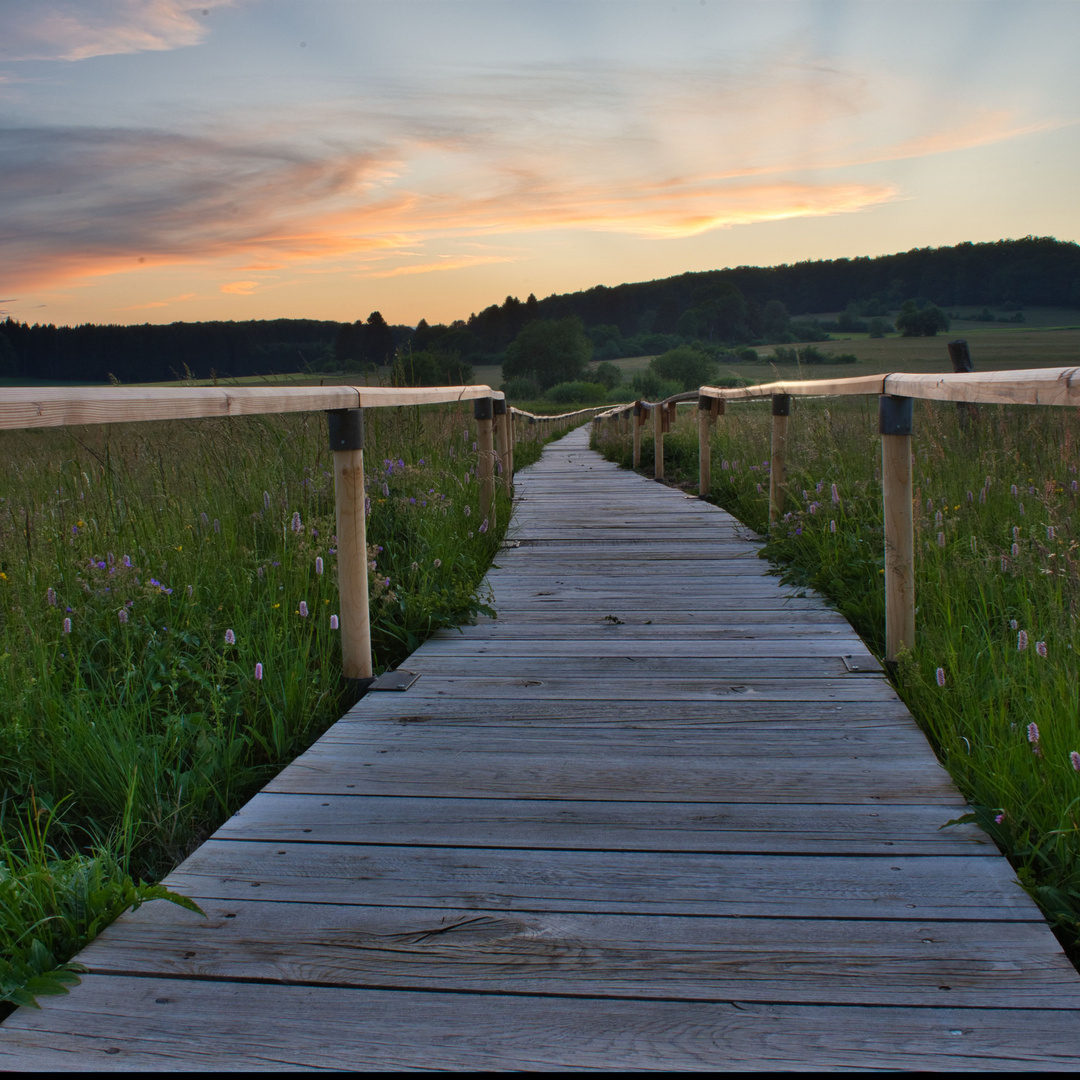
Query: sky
{"type": "Point", "coordinates": [257, 159]}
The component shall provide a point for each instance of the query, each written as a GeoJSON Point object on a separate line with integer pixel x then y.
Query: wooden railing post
{"type": "Point", "coordinates": [659, 416]}
{"type": "Point", "coordinates": [704, 446]}
{"type": "Point", "coordinates": [506, 442]}
{"type": "Point", "coordinates": [894, 423]}
{"type": "Point", "coordinates": [484, 412]}
{"type": "Point", "coordinates": [347, 443]}
{"type": "Point", "coordinates": [639, 423]}
{"type": "Point", "coordinates": [781, 410]}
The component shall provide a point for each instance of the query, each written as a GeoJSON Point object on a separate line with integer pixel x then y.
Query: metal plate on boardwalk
{"type": "Point", "coordinates": [394, 680]}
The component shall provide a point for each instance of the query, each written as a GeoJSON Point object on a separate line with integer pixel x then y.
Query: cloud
{"type": "Point", "coordinates": [447, 263]}
{"type": "Point", "coordinates": [240, 288]}
{"type": "Point", "coordinates": [161, 303]}
{"type": "Point", "coordinates": [80, 29]}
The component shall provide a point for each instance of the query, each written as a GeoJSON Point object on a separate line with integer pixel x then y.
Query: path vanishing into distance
{"type": "Point", "coordinates": [663, 813]}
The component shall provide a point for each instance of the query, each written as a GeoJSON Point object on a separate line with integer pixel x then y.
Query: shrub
{"type": "Point", "coordinates": [571, 393]}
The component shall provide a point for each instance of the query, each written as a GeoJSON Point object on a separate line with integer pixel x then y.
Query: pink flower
{"type": "Point", "coordinates": [484, 526]}
{"type": "Point", "coordinates": [468, 510]}
{"type": "Point", "coordinates": [1074, 757]}
{"type": "Point", "coordinates": [1015, 550]}
{"type": "Point", "coordinates": [258, 672]}
{"type": "Point", "coordinates": [333, 622]}
{"type": "Point", "coordinates": [67, 625]}
{"type": "Point", "coordinates": [297, 524]}
{"type": "Point", "coordinates": [941, 539]}
{"type": "Point", "coordinates": [835, 495]}
{"type": "Point", "coordinates": [999, 819]}
{"type": "Point", "coordinates": [50, 595]}
{"type": "Point", "coordinates": [1013, 624]}
{"type": "Point", "coordinates": [940, 676]}
{"type": "Point", "coordinates": [1040, 648]}
{"type": "Point", "coordinates": [1033, 733]}
{"type": "Point", "coordinates": [122, 615]}
{"type": "Point", "coordinates": [832, 526]}
{"type": "Point", "coordinates": [1021, 641]}
{"type": "Point", "coordinates": [303, 609]}
{"type": "Point", "coordinates": [230, 638]}
{"type": "Point", "coordinates": [318, 564]}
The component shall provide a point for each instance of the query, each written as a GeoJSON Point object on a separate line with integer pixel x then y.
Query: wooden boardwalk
{"type": "Point", "coordinates": [664, 813]}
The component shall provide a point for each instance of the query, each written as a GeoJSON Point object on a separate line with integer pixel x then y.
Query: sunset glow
{"type": "Point", "coordinates": [261, 158]}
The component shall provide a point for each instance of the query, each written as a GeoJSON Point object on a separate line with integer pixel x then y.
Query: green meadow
{"type": "Point", "coordinates": [167, 625]}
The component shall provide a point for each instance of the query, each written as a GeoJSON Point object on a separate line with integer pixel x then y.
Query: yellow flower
{"type": "Point", "coordinates": [3, 577]}
{"type": "Point", "coordinates": [277, 605]}
{"type": "Point", "coordinates": [81, 524]}
{"type": "Point", "coordinates": [179, 547]}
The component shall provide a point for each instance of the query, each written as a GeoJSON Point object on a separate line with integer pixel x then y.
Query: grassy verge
{"type": "Point", "coordinates": [166, 602]}
{"type": "Point", "coordinates": [993, 680]}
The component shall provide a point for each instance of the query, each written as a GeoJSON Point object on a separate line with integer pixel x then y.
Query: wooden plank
{"type": "Point", "coordinates": [822, 961]}
{"type": "Point", "coordinates": [663, 883]}
{"type": "Point", "coordinates": [166, 1024]}
{"type": "Point", "coordinates": [621, 669]}
{"type": "Point", "coordinates": [804, 828]}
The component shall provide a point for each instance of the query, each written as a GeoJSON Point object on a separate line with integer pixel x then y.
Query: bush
{"type": "Point", "coordinates": [647, 384]}
{"type": "Point", "coordinates": [572, 393]}
{"type": "Point", "coordinates": [880, 327]}
{"type": "Point", "coordinates": [921, 322]}
{"type": "Point", "coordinates": [521, 389]}
{"type": "Point", "coordinates": [689, 368]}
{"type": "Point", "coordinates": [609, 374]}
{"type": "Point", "coordinates": [549, 352]}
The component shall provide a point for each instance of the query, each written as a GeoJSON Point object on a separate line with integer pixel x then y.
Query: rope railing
{"type": "Point", "coordinates": [497, 433]}
{"type": "Point", "coordinates": [897, 392]}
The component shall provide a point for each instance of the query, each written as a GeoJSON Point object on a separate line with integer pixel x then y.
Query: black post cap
{"type": "Point", "coordinates": [895, 414]}
{"type": "Point", "coordinates": [482, 408]}
{"type": "Point", "coordinates": [781, 405]}
{"type": "Point", "coordinates": [346, 428]}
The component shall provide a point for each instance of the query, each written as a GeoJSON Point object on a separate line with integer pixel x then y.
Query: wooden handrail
{"type": "Point", "coordinates": [60, 406]}
{"type": "Point", "coordinates": [896, 390]}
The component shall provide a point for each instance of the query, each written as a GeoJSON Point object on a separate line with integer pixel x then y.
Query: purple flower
{"type": "Point", "coordinates": [303, 609]}
{"type": "Point", "coordinates": [1013, 624]}
{"type": "Point", "coordinates": [297, 524]}
{"type": "Point", "coordinates": [50, 595]}
{"type": "Point", "coordinates": [386, 489]}
{"type": "Point", "coordinates": [127, 561]}
{"type": "Point", "coordinates": [67, 625]}
{"type": "Point", "coordinates": [835, 495]}
{"type": "Point", "coordinates": [832, 526]}
{"type": "Point", "coordinates": [999, 819]}
{"type": "Point", "coordinates": [484, 526]}
{"type": "Point", "coordinates": [258, 672]}
{"type": "Point", "coordinates": [412, 501]}
{"type": "Point", "coordinates": [468, 510]}
{"type": "Point", "coordinates": [1012, 490]}
{"type": "Point", "coordinates": [1033, 733]}
{"type": "Point", "coordinates": [266, 500]}
{"type": "Point", "coordinates": [122, 615]}
{"type": "Point", "coordinates": [940, 676]}
{"type": "Point", "coordinates": [1021, 641]}
{"type": "Point", "coordinates": [1016, 532]}
{"type": "Point", "coordinates": [204, 519]}
{"type": "Point", "coordinates": [1015, 550]}
{"type": "Point", "coordinates": [217, 525]}
{"type": "Point", "coordinates": [474, 447]}
{"type": "Point", "coordinates": [318, 564]}
{"type": "Point", "coordinates": [230, 638]}
{"type": "Point", "coordinates": [69, 609]}
{"type": "Point", "coordinates": [1049, 532]}
{"type": "Point", "coordinates": [333, 622]}
{"type": "Point", "coordinates": [110, 558]}
{"type": "Point", "coordinates": [1040, 648]}
{"type": "Point", "coordinates": [1074, 757]}
{"type": "Point", "coordinates": [941, 539]}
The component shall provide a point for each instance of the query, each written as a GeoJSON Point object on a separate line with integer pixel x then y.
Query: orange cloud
{"type": "Point", "coordinates": [160, 303]}
{"type": "Point", "coordinates": [240, 288]}
{"type": "Point", "coordinates": [448, 263]}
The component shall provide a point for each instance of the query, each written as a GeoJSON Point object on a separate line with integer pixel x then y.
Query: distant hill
{"type": "Point", "coordinates": [740, 306]}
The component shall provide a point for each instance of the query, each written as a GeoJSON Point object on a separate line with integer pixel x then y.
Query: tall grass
{"type": "Point", "coordinates": [993, 678]}
{"type": "Point", "coordinates": [166, 602]}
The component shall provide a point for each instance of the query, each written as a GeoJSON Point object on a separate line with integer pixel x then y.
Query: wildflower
{"type": "Point", "coordinates": [191, 588]}
{"type": "Point", "coordinates": [127, 561]}
{"type": "Point", "coordinates": [938, 519]}
{"type": "Point", "coordinates": [303, 609]}
{"type": "Point", "coordinates": [1075, 486]}
{"type": "Point", "coordinates": [929, 505]}
{"type": "Point", "coordinates": [940, 676]}
{"type": "Point", "coordinates": [1040, 648]}
{"type": "Point", "coordinates": [258, 672]}
{"type": "Point", "coordinates": [230, 638]}
{"type": "Point", "coordinates": [1074, 757]}
{"type": "Point", "coordinates": [318, 564]}
{"type": "Point", "coordinates": [814, 507]}
{"type": "Point", "coordinates": [387, 583]}
{"type": "Point", "coordinates": [1049, 532]}
{"type": "Point", "coordinates": [1020, 507]}
{"type": "Point", "coordinates": [437, 563]}
{"type": "Point", "coordinates": [67, 625]}
{"type": "Point", "coordinates": [386, 490]}
{"type": "Point", "coordinates": [999, 819]}
{"type": "Point", "coordinates": [333, 622]}
{"type": "Point", "coordinates": [1021, 641]}
{"type": "Point", "coordinates": [204, 519]}
{"type": "Point", "coordinates": [820, 484]}
{"type": "Point", "coordinates": [1012, 490]}
{"type": "Point", "coordinates": [832, 526]}
{"type": "Point", "coordinates": [468, 510]}
{"type": "Point", "coordinates": [1013, 624]}
{"type": "Point", "coordinates": [484, 526]}
{"type": "Point", "coordinates": [297, 524]}
{"type": "Point", "coordinates": [266, 500]}
{"type": "Point", "coordinates": [412, 500]}
{"type": "Point", "coordinates": [941, 539]}
{"type": "Point", "coordinates": [1016, 549]}
{"type": "Point", "coordinates": [1016, 532]}
{"type": "Point", "coordinates": [80, 524]}
{"type": "Point", "coordinates": [760, 490]}
{"type": "Point", "coordinates": [50, 595]}
{"type": "Point", "coordinates": [414, 567]}
{"type": "Point", "coordinates": [970, 496]}
{"type": "Point", "coordinates": [835, 495]}
{"type": "Point", "coordinates": [122, 615]}
{"type": "Point", "coordinates": [367, 510]}
{"type": "Point", "coordinates": [217, 525]}
{"type": "Point", "coordinates": [982, 495]}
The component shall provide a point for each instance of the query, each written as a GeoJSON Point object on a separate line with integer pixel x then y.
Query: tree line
{"type": "Point", "coordinates": [743, 306]}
